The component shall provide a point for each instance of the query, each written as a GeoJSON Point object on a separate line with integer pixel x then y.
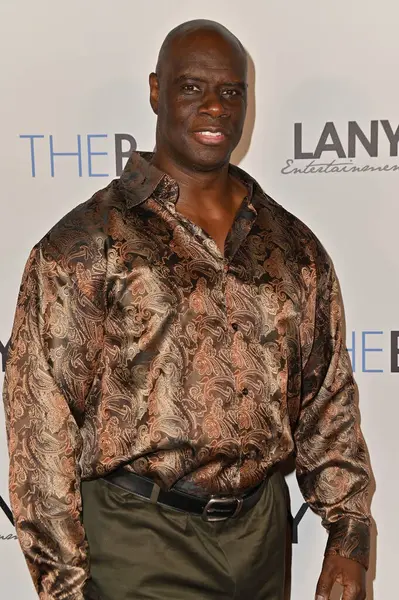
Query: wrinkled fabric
{"type": "Point", "coordinates": [183, 557]}
{"type": "Point", "coordinates": [137, 342]}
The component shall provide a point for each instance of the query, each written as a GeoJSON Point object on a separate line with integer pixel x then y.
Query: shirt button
{"type": "Point", "coordinates": [234, 326]}
{"type": "Point", "coordinates": [245, 391]}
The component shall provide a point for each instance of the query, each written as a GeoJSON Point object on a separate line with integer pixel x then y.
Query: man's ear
{"type": "Point", "coordinates": [154, 92]}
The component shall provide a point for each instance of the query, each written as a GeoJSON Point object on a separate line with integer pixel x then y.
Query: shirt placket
{"type": "Point", "coordinates": [232, 329]}
{"type": "Point", "coordinates": [241, 227]}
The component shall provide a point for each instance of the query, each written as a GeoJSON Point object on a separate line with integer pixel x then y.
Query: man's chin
{"type": "Point", "coordinates": [209, 159]}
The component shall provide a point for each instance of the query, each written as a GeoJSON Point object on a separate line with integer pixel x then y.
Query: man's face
{"type": "Point", "coordinates": [200, 100]}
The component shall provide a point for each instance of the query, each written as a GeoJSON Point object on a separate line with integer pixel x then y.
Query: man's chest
{"type": "Point", "coordinates": [193, 330]}
{"type": "Point", "coordinates": [163, 269]}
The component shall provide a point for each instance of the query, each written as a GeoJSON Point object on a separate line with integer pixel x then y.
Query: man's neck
{"type": "Point", "coordinates": [202, 191]}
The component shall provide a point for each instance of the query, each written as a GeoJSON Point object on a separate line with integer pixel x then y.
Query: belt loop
{"type": "Point", "coordinates": [155, 493]}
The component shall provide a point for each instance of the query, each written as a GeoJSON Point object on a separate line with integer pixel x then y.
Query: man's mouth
{"type": "Point", "coordinates": [210, 137]}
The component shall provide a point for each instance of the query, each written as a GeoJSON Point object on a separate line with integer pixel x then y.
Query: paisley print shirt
{"type": "Point", "coordinates": [137, 342]}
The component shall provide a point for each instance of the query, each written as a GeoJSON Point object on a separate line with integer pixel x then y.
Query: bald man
{"type": "Point", "coordinates": [177, 337]}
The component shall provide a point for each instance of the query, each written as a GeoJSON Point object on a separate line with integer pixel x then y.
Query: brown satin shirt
{"type": "Point", "coordinates": [137, 342]}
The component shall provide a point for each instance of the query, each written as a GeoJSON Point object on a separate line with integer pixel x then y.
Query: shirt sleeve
{"type": "Point", "coordinates": [331, 457]}
{"type": "Point", "coordinates": [50, 368]}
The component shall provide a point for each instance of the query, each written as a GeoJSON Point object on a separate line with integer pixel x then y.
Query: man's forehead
{"type": "Point", "coordinates": [206, 63]}
{"type": "Point", "coordinates": [202, 60]}
{"type": "Point", "coordinates": [202, 49]}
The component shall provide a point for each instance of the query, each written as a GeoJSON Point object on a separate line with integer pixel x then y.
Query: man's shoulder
{"type": "Point", "coordinates": [79, 236]}
{"type": "Point", "coordinates": [91, 216]}
{"type": "Point", "coordinates": [290, 231]}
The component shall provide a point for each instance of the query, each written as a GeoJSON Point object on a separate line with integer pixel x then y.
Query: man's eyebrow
{"type": "Point", "coordinates": [186, 76]}
{"type": "Point", "coordinates": [240, 84]}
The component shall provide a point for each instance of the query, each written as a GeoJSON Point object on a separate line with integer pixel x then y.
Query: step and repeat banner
{"type": "Point", "coordinates": [322, 138]}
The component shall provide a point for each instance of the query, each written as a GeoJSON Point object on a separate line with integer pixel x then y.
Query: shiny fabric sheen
{"type": "Point", "coordinates": [137, 342]}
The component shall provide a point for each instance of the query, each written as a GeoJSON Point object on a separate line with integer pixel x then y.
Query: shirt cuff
{"type": "Point", "coordinates": [351, 539]}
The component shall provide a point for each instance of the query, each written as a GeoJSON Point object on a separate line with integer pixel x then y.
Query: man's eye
{"type": "Point", "coordinates": [230, 92]}
{"type": "Point", "coordinates": [190, 87]}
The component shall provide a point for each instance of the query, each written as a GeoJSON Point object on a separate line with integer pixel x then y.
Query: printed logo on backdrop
{"type": "Point", "coordinates": [368, 355]}
{"type": "Point", "coordinates": [48, 153]}
{"type": "Point", "coordinates": [344, 148]}
{"type": "Point", "coordinates": [5, 537]}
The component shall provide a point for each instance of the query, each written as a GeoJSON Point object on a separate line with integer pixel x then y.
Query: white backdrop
{"type": "Point", "coordinates": [80, 68]}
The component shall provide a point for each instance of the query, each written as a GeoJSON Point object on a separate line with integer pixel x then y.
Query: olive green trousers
{"type": "Point", "coordinates": [145, 551]}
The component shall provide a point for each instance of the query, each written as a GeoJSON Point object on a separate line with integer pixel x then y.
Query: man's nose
{"type": "Point", "coordinates": [212, 105]}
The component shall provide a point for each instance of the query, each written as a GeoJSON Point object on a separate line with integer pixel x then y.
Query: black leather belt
{"type": "Point", "coordinates": [213, 508]}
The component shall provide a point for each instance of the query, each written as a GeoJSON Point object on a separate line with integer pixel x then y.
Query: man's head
{"type": "Point", "coordinates": [199, 95]}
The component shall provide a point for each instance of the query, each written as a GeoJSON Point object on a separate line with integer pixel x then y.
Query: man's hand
{"type": "Point", "coordinates": [350, 574]}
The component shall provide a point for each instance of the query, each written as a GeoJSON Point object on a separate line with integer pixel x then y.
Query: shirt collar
{"type": "Point", "coordinates": [141, 179]}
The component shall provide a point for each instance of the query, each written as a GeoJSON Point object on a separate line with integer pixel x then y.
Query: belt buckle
{"type": "Point", "coordinates": [206, 513]}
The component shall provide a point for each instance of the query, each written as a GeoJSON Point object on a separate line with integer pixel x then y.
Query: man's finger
{"type": "Point", "coordinates": [353, 592]}
{"type": "Point", "coordinates": [324, 585]}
